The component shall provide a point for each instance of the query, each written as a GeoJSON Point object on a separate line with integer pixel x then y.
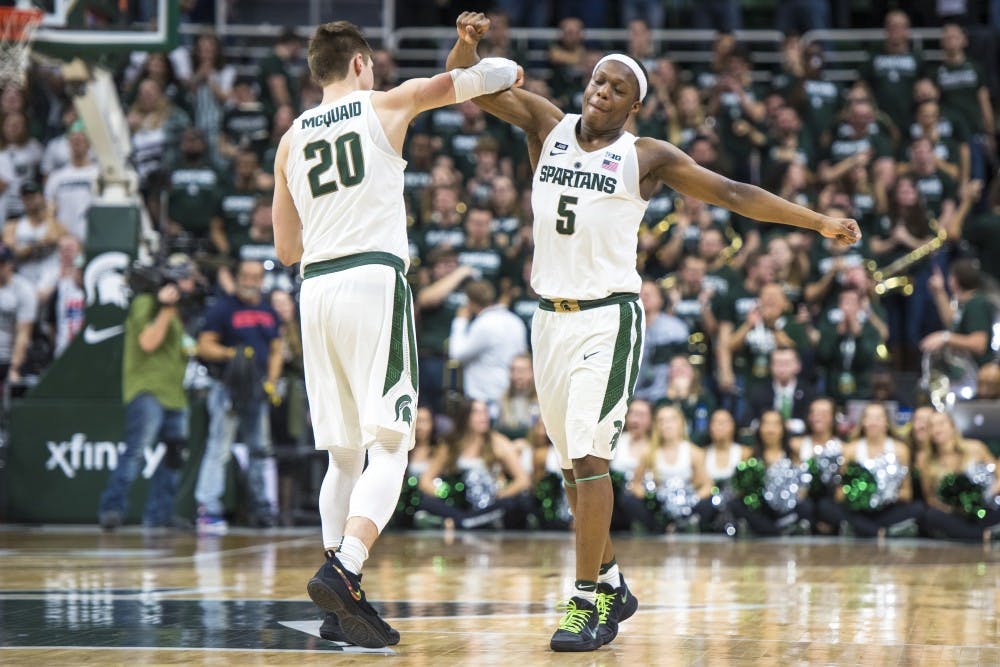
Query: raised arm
{"type": "Point", "coordinates": [660, 161]}
{"type": "Point", "coordinates": [532, 113]}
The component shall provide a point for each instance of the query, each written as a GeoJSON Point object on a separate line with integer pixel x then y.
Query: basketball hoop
{"type": "Point", "coordinates": [17, 29]}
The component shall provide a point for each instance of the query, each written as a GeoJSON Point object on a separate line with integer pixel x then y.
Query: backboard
{"type": "Point", "coordinates": [89, 29]}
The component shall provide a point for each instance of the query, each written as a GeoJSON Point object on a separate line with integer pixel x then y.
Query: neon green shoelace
{"type": "Point", "coordinates": [575, 619]}
{"type": "Point", "coordinates": [604, 602]}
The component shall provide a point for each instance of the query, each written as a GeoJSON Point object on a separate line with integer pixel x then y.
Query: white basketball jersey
{"type": "Point", "coordinates": [587, 211]}
{"type": "Point", "coordinates": [347, 182]}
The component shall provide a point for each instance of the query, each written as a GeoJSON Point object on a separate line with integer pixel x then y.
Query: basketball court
{"type": "Point", "coordinates": [75, 596]}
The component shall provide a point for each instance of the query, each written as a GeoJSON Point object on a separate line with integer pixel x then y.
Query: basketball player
{"type": "Point", "coordinates": [592, 180]}
{"type": "Point", "coordinates": [338, 208]}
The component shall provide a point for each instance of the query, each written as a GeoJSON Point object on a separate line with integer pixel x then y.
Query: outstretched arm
{"type": "Point", "coordinates": [532, 113]}
{"type": "Point", "coordinates": [660, 161]}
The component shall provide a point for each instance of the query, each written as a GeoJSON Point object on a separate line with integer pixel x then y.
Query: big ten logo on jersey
{"type": "Point", "coordinates": [79, 453]}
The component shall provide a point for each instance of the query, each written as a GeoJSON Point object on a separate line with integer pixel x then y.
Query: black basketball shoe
{"type": "Point", "coordinates": [330, 630]}
{"type": "Point", "coordinates": [614, 605]}
{"type": "Point", "coordinates": [337, 590]}
{"type": "Point", "coordinates": [578, 629]}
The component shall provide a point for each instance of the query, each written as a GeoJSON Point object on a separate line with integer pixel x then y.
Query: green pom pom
{"type": "Point", "coordinates": [859, 487]}
{"type": "Point", "coordinates": [958, 491]}
{"type": "Point", "coordinates": [748, 482]}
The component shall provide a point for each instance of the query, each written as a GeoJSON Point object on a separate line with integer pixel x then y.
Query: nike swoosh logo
{"type": "Point", "coordinates": [553, 153]}
{"type": "Point", "coordinates": [625, 596]}
{"type": "Point", "coordinates": [588, 356]}
{"type": "Point", "coordinates": [93, 336]}
{"type": "Point", "coordinates": [354, 594]}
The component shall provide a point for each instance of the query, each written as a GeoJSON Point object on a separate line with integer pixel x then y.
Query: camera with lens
{"type": "Point", "coordinates": [144, 278]}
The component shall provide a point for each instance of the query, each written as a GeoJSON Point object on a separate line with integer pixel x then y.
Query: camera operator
{"type": "Point", "coordinates": [241, 340]}
{"type": "Point", "coordinates": [153, 391]}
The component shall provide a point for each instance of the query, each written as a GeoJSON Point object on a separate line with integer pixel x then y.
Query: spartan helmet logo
{"type": "Point", "coordinates": [403, 410]}
{"type": "Point", "coordinates": [104, 279]}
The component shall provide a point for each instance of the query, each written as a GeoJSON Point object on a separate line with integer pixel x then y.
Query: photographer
{"type": "Point", "coordinates": [153, 392]}
{"type": "Point", "coordinates": [241, 340]}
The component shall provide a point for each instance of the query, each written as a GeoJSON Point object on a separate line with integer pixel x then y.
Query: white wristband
{"type": "Point", "coordinates": [489, 75]}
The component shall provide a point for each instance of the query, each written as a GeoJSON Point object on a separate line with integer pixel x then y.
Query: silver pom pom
{"type": "Point", "coordinates": [480, 488]}
{"type": "Point", "coordinates": [782, 485]}
{"type": "Point", "coordinates": [983, 475]}
{"type": "Point", "coordinates": [677, 498]}
{"type": "Point", "coordinates": [889, 476]}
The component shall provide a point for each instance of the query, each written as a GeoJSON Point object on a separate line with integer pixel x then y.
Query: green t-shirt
{"type": "Point", "coordinates": [935, 189]}
{"type": "Point", "coordinates": [194, 197]}
{"type": "Point", "coordinates": [847, 360]}
{"type": "Point", "coordinates": [983, 234]}
{"type": "Point", "coordinates": [974, 315]}
{"type": "Point", "coordinates": [891, 77]}
{"type": "Point", "coordinates": [435, 324]}
{"type": "Point", "coordinates": [160, 372]}
{"type": "Point", "coordinates": [236, 210]}
{"type": "Point", "coordinates": [270, 66]}
{"type": "Point", "coordinates": [843, 147]}
{"type": "Point", "coordinates": [960, 91]}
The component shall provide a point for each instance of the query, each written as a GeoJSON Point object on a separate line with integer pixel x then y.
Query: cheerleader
{"type": "Point", "coordinates": [772, 448]}
{"type": "Point", "coordinates": [670, 486]}
{"type": "Point", "coordinates": [550, 507]}
{"type": "Point", "coordinates": [723, 452]}
{"type": "Point", "coordinates": [951, 453]}
{"type": "Point", "coordinates": [821, 450]}
{"type": "Point", "coordinates": [875, 447]}
{"type": "Point", "coordinates": [919, 441]}
{"type": "Point", "coordinates": [633, 446]}
{"type": "Point", "coordinates": [485, 463]}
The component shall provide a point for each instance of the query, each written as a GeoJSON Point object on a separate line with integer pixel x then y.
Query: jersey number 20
{"type": "Point", "coordinates": [350, 163]}
{"type": "Point", "coordinates": [566, 223]}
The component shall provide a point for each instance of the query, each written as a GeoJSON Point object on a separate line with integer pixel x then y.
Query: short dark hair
{"type": "Point", "coordinates": [481, 293]}
{"type": "Point", "coordinates": [332, 48]}
{"type": "Point", "coordinates": [967, 274]}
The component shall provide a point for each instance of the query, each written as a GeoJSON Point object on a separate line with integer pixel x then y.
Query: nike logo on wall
{"type": "Point", "coordinates": [93, 336]}
{"type": "Point", "coordinates": [588, 356]}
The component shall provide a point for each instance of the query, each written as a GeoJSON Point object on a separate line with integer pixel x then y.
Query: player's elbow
{"type": "Point", "coordinates": [288, 253]}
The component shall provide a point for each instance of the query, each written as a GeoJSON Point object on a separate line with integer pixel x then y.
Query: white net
{"type": "Point", "coordinates": [17, 28]}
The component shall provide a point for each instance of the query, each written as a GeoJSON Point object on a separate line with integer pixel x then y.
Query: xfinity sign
{"type": "Point", "coordinates": [79, 453]}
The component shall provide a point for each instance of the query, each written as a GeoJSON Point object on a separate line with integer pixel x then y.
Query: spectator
{"type": "Point", "coordinates": [277, 81]}
{"type": "Point", "coordinates": [633, 447]}
{"type": "Point", "coordinates": [156, 126]}
{"type": "Point", "coordinates": [892, 70]}
{"type": "Point", "coordinates": [486, 346]}
{"type": "Point", "coordinates": [246, 122]}
{"type": "Point", "coordinates": [507, 218]}
{"type": "Point", "coordinates": [518, 409]}
{"type": "Point", "coordinates": [209, 87]}
{"type": "Point", "coordinates": [34, 238]}
{"type": "Point", "coordinates": [964, 92]}
{"type": "Point", "coordinates": [856, 143]}
{"type": "Point", "coordinates": [57, 150]}
{"type": "Point", "coordinates": [950, 156]}
{"type": "Point", "coordinates": [971, 329]}
{"type": "Point", "coordinates": [442, 228]}
{"type": "Point", "coordinates": [18, 310]}
{"type": "Point", "coordinates": [67, 300]}
{"type": "Point", "coordinates": [830, 266]}
{"type": "Point", "coordinates": [289, 420]}
{"type": "Point", "coordinates": [988, 381]}
{"type": "Point", "coordinates": [937, 188]}
{"type": "Point", "coordinates": [640, 40]}
{"type": "Point", "coordinates": [566, 60]}
{"type": "Point", "coordinates": [479, 251]}
{"type": "Point", "coordinates": [801, 16]}
{"type": "Point", "coordinates": [230, 226]}
{"type": "Point", "coordinates": [765, 328]}
{"type": "Point", "coordinates": [736, 105]}
{"type": "Point", "coordinates": [24, 153]}
{"type": "Point", "coordinates": [71, 189]}
{"type": "Point", "coordinates": [437, 303]}
{"type": "Point", "coordinates": [722, 452]}
{"type": "Point", "coordinates": [160, 68]}
{"type": "Point", "coordinates": [785, 394]}
{"type": "Point", "coordinates": [685, 392]}
{"type": "Point", "coordinates": [194, 192]}
{"type": "Point", "coordinates": [241, 325]}
{"type": "Point", "coordinates": [689, 120]}
{"type": "Point", "coordinates": [666, 335]}
{"type": "Point", "coordinates": [820, 436]}
{"type": "Point", "coordinates": [259, 247]}
{"type": "Point", "coordinates": [848, 347]}
{"type": "Point", "coordinates": [982, 232]}
{"type": "Point", "coordinates": [155, 360]}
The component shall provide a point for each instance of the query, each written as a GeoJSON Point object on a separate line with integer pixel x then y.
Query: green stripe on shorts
{"type": "Point", "coordinates": [411, 337]}
{"type": "Point", "coordinates": [616, 378]}
{"type": "Point", "coordinates": [394, 366]}
{"type": "Point", "coordinates": [636, 352]}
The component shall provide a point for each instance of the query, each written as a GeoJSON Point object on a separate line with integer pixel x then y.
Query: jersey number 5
{"type": "Point", "coordinates": [566, 223]}
{"type": "Point", "coordinates": [350, 163]}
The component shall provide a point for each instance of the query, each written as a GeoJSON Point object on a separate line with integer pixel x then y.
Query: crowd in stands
{"type": "Point", "coordinates": [768, 350]}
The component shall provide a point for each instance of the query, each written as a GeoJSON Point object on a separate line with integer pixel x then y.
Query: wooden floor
{"type": "Point", "coordinates": [76, 596]}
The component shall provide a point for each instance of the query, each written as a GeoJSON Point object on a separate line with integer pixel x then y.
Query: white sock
{"type": "Point", "coordinates": [589, 596]}
{"type": "Point", "coordinates": [352, 553]}
{"type": "Point", "coordinates": [612, 577]}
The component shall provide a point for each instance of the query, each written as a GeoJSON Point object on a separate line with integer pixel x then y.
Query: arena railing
{"type": "Point", "coordinates": [421, 51]}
